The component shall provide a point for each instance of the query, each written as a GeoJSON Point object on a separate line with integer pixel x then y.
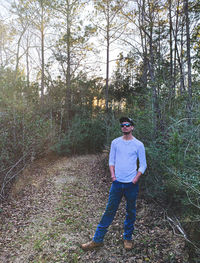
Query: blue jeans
{"type": "Point", "coordinates": [117, 191]}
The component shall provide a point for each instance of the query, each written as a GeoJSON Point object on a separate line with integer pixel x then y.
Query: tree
{"type": "Point", "coordinates": [34, 15]}
{"type": "Point", "coordinates": [72, 46]}
{"type": "Point", "coordinates": [123, 86]}
{"type": "Point", "coordinates": [6, 38]}
{"type": "Point", "coordinates": [111, 29]}
{"type": "Point", "coordinates": [186, 7]}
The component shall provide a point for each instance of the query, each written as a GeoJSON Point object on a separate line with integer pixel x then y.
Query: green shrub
{"type": "Point", "coordinates": [84, 135]}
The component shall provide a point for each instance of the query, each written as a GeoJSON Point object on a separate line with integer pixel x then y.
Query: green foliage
{"type": "Point", "coordinates": [85, 135]}
{"type": "Point", "coordinates": [21, 133]}
{"type": "Point", "coordinates": [173, 161]}
{"type": "Point", "coordinates": [24, 132]}
{"type": "Point", "coordinates": [175, 154]}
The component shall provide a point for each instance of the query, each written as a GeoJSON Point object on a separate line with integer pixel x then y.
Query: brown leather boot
{"type": "Point", "coordinates": [91, 245]}
{"type": "Point", "coordinates": [128, 244]}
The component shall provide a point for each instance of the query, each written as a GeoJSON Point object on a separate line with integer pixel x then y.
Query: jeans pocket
{"type": "Point", "coordinates": [134, 185]}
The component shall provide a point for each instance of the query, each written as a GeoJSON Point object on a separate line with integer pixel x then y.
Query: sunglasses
{"type": "Point", "coordinates": [125, 125]}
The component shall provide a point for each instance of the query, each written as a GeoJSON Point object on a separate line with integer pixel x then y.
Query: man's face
{"type": "Point", "coordinates": [126, 127]}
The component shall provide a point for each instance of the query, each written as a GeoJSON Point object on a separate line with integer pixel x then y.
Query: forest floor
{"type": "Point", "coordinates": [56, 205]}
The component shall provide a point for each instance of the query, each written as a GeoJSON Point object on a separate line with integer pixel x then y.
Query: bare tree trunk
{"type": "Point", "coordinates": [42, 52]}
{"type": "Point", "coordinates": [27, 65]}
{"type": "Point", "coordinates": [112, 30]}
{"type": "Point", "coordinates": [146, 33]}
{"type": "Point", "coordinates": [179, 56]}
{"type": "Point", "coordinates": [171, 88]}
{"type": "Point", "coordinates": [68, 76]}
{"type": "Point", "coordinates": [18, 51]}
{"type": "Point", "coordinates": [107, 51]}
{"type": "Point", "coordinates": [107, 69]}
{"type": "Point", "coordinates": [182, 79]}
{"type": "Point", "coordinates": [155, 105]}
{"type": "Point", "coordinates": [153, 86]}
{"type": "Point", "coordinates": [175, 34]}
{"type": "Point", "coordinates": [144, 47]}
{"type": "Point", "coordinates": [189, 74]}
{"type": "Point", "coordinates": [188, 53]}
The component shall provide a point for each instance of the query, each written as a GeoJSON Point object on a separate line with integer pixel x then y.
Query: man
{"type": "Point", "coordinates": [123, 157]}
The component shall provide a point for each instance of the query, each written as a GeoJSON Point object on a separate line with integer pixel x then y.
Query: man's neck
{"type": "Point", "coordinates": [128, 137]}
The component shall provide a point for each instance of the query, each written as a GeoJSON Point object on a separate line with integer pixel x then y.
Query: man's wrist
{"type": "Point", "coordinates": [113, 177]}
{"type": "Point", "coordinates": [138, 174]}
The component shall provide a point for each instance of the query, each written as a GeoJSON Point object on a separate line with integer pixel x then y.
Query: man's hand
{"type": "Point", "coordinates": [112, 172]}
{"type": "Point", "coordinates": [136, 178]}
{"type": "Point", "coordinates": [113, 178]}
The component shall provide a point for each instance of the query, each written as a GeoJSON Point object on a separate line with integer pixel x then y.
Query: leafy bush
{"type": "Point", "coordinates": [85, 135]}
{"type": "Point", "coordinates": [23, 136]}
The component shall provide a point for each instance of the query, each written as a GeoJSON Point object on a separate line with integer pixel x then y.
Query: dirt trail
{"type": "Point", "coordinates": [56, 206]}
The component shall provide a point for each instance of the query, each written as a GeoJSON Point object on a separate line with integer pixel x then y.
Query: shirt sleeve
{"type": "Point", "coordinates": [142, 159]}
{"type": "Point", "coordinates": [112, 154]}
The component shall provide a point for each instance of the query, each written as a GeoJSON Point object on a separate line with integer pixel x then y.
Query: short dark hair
{"type": "Point", "coordinates": [126, 119]}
